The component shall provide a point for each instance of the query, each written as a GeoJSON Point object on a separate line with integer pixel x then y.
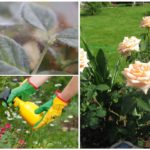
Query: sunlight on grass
{"type": "Point", "coordinates": [107, 29]}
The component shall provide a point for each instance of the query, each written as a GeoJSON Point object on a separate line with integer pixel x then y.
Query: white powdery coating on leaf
{"type": "Point", "coordinates": [83, 60]}
{"type": "Point", "coordinates": [138, 75]}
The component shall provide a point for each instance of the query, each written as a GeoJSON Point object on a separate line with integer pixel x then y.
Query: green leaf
{"type": "Point", "coordinates": [102, 87]}
{"type": "Point", "coordinates": [128, 104]}
{"type": "Point", "coordinates": [42, 18]}
{"type": "Point", "coordinates": [94, 122]}
{"type": "Point", "coordinates": [87, 49]}
{"type": "Point", "coordinates": [101, 64]}
{"type": "Point", "coordinates": [13, 59]}
{"type": "Point", "coordinates": [143, 36]}
{"type": "Point", "coordinates": [143, 104]}
{"type": "Point", "coordinates": [100, 112]}
{"type": "Point", "coordinates": [68, 37]}
{"type": "Point", "coordinates": [90, 91]}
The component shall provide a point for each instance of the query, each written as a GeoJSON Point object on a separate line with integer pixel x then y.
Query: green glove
{"type": "Point", "coordinates": [23, 92]}
{"type": "Point", "coordinates": [45, 106]}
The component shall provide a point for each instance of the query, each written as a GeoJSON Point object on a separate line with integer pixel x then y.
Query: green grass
{"type": "Point", "coordinates": [57, 134]}
{"type": "Point", "coordinates": [107, 29]}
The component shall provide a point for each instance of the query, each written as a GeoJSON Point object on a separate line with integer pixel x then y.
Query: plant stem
{"type": "Point", "coordinates": [114, 113]}
{"type": "Point", "coordinates": [70, 63]}
{"type": "Point", "coordinates": [41, 59]}
{"type": "Point", "coordinates": [148, 39]}
{"type": "Point", "coordinates": [116, 71]}
{"type": "Point", "coordinates": [95, 100]}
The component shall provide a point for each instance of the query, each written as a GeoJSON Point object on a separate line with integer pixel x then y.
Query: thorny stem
{"type": "Point", "coordinates": [116, 71]}
{"type": "Point", "coordinates": [51, 40]}
{"type": "Point", "coordinates": [41, 59]}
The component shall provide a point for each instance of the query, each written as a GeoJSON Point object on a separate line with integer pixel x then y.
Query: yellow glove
{"type": "Point", "coordinates": [53, 108]}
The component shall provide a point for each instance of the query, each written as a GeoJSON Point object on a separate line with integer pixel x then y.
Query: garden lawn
{"type": "Point", "coordinates": [107, 29]}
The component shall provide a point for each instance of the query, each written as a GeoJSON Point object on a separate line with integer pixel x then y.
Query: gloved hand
{"type": "Point", "coordinates": [23, 91]}
{"type": "Point", "coordinates": [53, 108]}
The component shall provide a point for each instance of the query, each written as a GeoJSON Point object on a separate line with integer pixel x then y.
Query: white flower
{"type": "Point", "coordinates": [64, 129]}
{"type": "Point", "coordinates": [83, 60]}
{"type": "Point", "coordinates": [66, 121]}
{"type": "Point", "coordinates": [8, 118]}
{"type": "Point", "coordinates": [70, 116]}
{"type": "Point", "coordinates": [27, 131]}
{"type": "Point", "coordinates": [58, 85]}
{"type": "Point", "coordinates": [51, 124]}
{"type": "Point", "coordinates": [24, 122]}
{"type": "Point", "coordinates": [7, 113]}
{"type": "Point", "coordinates": [128, 45]}
{"type": "Point", "coordinates": [138, 75]}
{"type": "Point", "coordinates": [18, 117]}
{"type": "Point", "coordinates": [18, 130]}
{"type": "Point", "coordinates": [146, 22]}
{"type": "Point", "coordinates": [35, 142]}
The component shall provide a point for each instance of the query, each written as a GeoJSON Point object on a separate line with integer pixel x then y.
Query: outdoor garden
{"type": "Point", "coordinates": [115, 74]}
{"type": "Point", "coordinates": [16, 133]}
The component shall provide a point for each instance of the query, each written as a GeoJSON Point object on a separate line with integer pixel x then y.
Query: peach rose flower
{"type": "Point", "coordinates": [128, 45]}
{"type": "Point", "coordinates": [138, 75]}
{"type": "Point", "coordinates": [146, 22]}
{"type": "Point", "coordinates": [83, 60]}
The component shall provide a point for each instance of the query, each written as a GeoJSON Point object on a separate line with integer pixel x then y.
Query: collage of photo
{"type": "Point", "coordinates": [74, 74]}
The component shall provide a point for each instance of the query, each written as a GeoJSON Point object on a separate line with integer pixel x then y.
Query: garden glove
{"type": "Point", "coordinates": [23, 91]}
{"type": "Point", "coordinates": [53, 108]}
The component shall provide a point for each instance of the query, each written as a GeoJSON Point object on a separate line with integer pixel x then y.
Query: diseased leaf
{"type": "Point", "coordinates": [7, 22]}
{"type": "Point", "coordinates": [42, 18]}
{"type": "Point", "coordinates": [69, 37]}
{"type": "Point", "coordinates": [12, 56]}
{"type": "Point", "coordinates": [8, 69]}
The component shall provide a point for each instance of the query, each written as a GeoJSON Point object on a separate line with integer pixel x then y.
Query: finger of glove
{"type": "Point", "coordinates": [44, 107]}
{"type": "Point", "coordinates": [11, 98]}
{"type": "Point", "coordinates": [39, 110]}
{"type": "Point", "coordinates": [46, 119]}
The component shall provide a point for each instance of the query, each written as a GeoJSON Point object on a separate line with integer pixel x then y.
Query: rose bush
{"type": "Point", "coordinates": [112, 110]}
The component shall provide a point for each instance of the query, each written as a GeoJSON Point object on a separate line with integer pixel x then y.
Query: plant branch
{"type": "Point", "coordinates": [41, 59]}
{"type": "Point", "coordinates": [114, 113]}
{"type": "Point", "coordinates": [70, 63]}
